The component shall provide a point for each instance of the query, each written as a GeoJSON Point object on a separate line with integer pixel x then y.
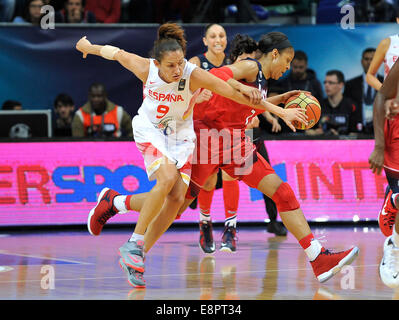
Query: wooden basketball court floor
{"type": "Point", "coordinates": [73, 265]}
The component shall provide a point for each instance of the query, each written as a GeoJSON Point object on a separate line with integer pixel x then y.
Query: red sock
{"type": "Point", "coordinates": [205, 200]}
{"type": "Point", "coordinates": [311, 246]}
{"type": "Point", "coordinates": [231, 195]}
{"type": "Point", "coordinates": [306, 241]}
{"type": "Point", "coordinates": [127, 202]}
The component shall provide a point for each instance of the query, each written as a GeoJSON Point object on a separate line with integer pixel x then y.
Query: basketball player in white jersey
{"type": "Point", "coordinates": [387, 52]}
{"type": "Point", "coordinates": [163, 131]}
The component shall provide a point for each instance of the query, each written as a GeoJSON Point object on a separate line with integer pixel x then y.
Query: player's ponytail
{"type": "Point", "coordinates": [241, 44]}
{"type": "Point", "coordinates": [274, 40]}
{"type": "Point", "coordinates": [170, 38]}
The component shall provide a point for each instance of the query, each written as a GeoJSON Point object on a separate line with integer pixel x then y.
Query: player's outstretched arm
{"type": "Point", "coordinates": [203, 79]}
{"type": "Point", "coordinates": [136, 64]}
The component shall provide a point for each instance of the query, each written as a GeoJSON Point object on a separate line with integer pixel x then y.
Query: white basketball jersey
{"type": "Point", "coordinates": [392, 54]}
{"type": "Point", "coordinates": [165, 118]}
{"type": "Point", "coordinates": [168, 106]}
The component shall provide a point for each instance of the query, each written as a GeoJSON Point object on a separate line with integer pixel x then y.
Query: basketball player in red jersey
{"type": "Point", "coordinates": [215, 39]}
{"type": "Point", "coordinates": [387, 53]}
{"type": "Point", "coordinates": [386, 155]}
{"type": "Point", "coordinates": [275, 48]}
{"type": "Point", "coordinates": [275, 55]}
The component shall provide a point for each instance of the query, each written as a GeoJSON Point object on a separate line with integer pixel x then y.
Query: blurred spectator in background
{"type": "Point", "coordinates": [375, 10]}
{"type": "Point", "coordinates": [362, 94]}
{"type": "Point", "coordinates": [11, 105]}
{"type": "Point", "coordinates": [31, 13]}
{"type": "Point", "coordinates": [64, 108]}
{"type": "Point", "coordinates": [301, 78]}
{"type": "Point", "coordinates": [339, 116]}
{"type": "Point", "coordinates": [105, 11]}
{"type": "Point", "coordinates": [382, 11]}
{"type": "Point", "coordinates": [139, 11]}
{"type": "Point", "coordinates": [7, 9]}
{"type": "Point", "coordinates": [215, 11]}
{"type": "Point", "coordinates": [74, 12]}
{"type": "Point", "coordinates": [100, 117]}
{"type": "Point", "coordinates": [171, 10]}
{"type": "Point", "coordinates": [56, 4]}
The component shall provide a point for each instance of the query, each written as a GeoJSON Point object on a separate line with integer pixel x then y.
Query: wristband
{"type": "Point", "coordinates": [108, 52]}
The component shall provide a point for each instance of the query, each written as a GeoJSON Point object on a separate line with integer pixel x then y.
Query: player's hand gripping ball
{"type": "Point", "coordinates": [309, 104]}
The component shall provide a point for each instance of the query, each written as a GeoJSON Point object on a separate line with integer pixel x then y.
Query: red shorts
{"type": "Point", "coordinates": [391, 154]}
{"type": "Point", "coordinates": [238, 159]}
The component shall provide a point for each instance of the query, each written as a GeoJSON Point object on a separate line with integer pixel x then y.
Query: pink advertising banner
{"type": "Point", "coordinates": [56, 183]}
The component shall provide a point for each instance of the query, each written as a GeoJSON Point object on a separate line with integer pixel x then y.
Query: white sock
{"type": "Point", "coordinates": [231, 222]}
{"type": "Point", "coordinates": [205, 216]}
{"type": "Point", "coordinates": [136, 237]}
{"type": "Point", "coordinates": [395, 237]}
{"type": "Point", "coordinates": [119, 203]}
{"type": "Point", "coordinates": [313, 250]}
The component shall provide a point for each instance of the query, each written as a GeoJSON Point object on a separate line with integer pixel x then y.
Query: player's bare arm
{"type": "Point", "coordinates": [245, 70]}
{"type": "Point", "coordinates": [388, 91]}
{"type": "Point", "coordinates": [375, 64]}
{"type": "Point", "coordinates": [134, 63]}
{"type": "Point", "coordinates": [254, 94]}
{"type": "Point", "coordinates": [203, 79]}
{"type": "Point", "coordinates": [248, 70]}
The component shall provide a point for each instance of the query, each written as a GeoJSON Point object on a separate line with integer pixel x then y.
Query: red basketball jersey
{"type": "Point", "coordinates": [206, 65]}
{"type": "Point", "coordinates": [220, 112]}
{"type": "Point", "coordinates": [199, 110]}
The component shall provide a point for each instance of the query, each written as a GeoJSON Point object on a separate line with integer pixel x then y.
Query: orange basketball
{"type": "Point", "coordinates": [311, 106]}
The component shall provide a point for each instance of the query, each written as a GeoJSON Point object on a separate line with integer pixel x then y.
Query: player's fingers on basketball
{"type": "Point", "coordinates": [290, 125]}
{"type": "Point", "coordinates": [301, 116]}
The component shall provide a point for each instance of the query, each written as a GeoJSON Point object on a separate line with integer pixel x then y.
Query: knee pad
{"type": "Point", "coordinates": [285, 198]}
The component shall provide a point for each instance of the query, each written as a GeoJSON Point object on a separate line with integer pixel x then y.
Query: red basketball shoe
{"type": "Point", "coordinates": [103, 210]}
{"type": "Point", "coordinates": [387, 215]}
{"type": "Point", "coordinates": [329, 263]}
